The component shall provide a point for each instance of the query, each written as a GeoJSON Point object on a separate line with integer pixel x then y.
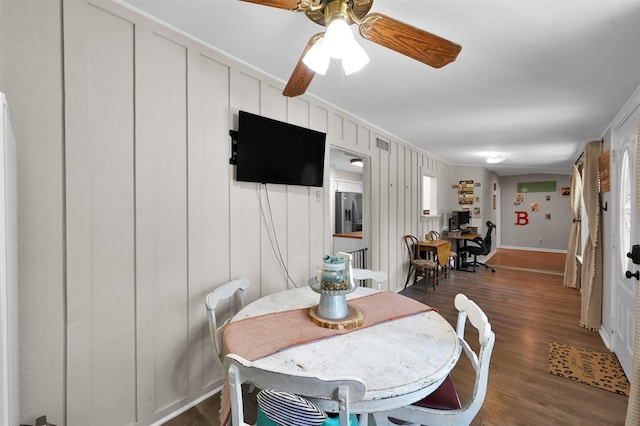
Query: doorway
{"type": "Point", "coordinates": [347, 200]}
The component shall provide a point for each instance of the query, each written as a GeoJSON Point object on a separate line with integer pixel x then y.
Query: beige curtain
{"type": "Point", "coordinates": [633, 407]}
{"type": "Point", "coordinates": [591, 281]}
{"type": "Point", "coordinates": [571, 266]}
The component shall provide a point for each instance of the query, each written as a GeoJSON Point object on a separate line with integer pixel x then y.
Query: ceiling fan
{"type": "Point", "coordinates": [413, 42]}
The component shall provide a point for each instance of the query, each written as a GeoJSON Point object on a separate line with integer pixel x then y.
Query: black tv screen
{"type": "Point", "coordinates": [271, 151]}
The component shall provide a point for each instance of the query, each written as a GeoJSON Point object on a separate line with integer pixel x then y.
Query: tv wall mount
{"type": "Point", "coordinates": [234, 147]}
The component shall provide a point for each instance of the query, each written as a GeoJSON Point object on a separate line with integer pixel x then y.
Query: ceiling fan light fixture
{"type": "Point", "coordinates": [318, 58]}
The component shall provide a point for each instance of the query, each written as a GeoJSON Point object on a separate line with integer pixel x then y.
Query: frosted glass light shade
{"type": "Point", "coordinates": [318, 58]}
{"type": "Point", "coordinates": [338, 35]}
{"type": "Point", "coordinates": [355, 58]}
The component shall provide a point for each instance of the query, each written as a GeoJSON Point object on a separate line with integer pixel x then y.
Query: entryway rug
{"type": "Point", "coordinates": [601, 370]}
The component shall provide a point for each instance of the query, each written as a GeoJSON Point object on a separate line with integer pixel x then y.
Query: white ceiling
{"type": "Point", "coordinates": [535, 80]}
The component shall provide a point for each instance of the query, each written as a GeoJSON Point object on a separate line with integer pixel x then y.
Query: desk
{"type": "Point", "coordinates": [462, 237]}
{"type": "Point", "coordinates": [400, 361]}
{"type": "Point", "coordinates": [440, 250]}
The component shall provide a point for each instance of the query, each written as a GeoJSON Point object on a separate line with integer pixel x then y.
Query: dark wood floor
{"type": "Point", "coordinates": [527, 309]}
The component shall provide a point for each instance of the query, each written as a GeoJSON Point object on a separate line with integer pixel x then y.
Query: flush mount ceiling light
{"type": "Point", "coordinates": [337, 42]}
{"type": "Point", "coordinates": [495, 160]}
{"type": "Point", "coordinates": [357, 162]}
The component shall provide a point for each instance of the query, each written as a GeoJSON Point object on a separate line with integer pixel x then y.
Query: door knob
{"type": "Point", "coordinates": [636, 274]}
{"type": "Point", "coordinates": [634, 255]}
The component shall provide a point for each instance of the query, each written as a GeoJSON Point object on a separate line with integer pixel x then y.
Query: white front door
{"type": "Point", "coordinates": [626, 229]}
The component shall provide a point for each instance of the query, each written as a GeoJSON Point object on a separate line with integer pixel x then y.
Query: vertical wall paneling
{"type": "Point", "coordinates": [298, 111]}
{"type": "Point", "coordinates": [111, 173]}
{"type": "Point", "coordinates": [273, 238]}
{"type": "Point", "coordinates": [244, 219]}
{"type": "Point", "coordinates": [384, 207]}
{"type": "Point", "coordinates": [77, 165]}
{"type": "Point", "coordinates": [335, 131]}
{"type": "Point", "coordinates": [100, 225]}
{"type": "Point", "coordinates": [319, 120]}
{"type": "Point", "coordinates": [208, 194]}
{"type": "Point", "coordinates": [416, 160]}
{"type": "Point", "coordinates": [161, 221]}
{"type": "Point", "coordinates": [299, 243]}
{"type": "Point", "coordinates": [350, 133]}
{"type": "Point", "coordinates": [402, 208]}
{"type": "Point", "coordinates": [395, 248]}
{"type": "Point", "coordinates": [272, 103]}
{"type": "Point", "coordinates": [375, 226]}
{"type": "Point", "coordinates": [409, 226]}
{"type": "Point", "coordinates": [364, 136]}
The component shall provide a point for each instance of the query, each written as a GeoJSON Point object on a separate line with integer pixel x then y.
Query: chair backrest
{"type": "Point", "coordinates": [367, 274]}
{"type": "Point", "coordinates": [480, 361]}
{"type": "Point", "coordinates": [330, 395]}
{"type": "Point", "coordinates": [411, 243]}
{"type": "Point", "coordinates": [224, 302]}
{"type": "Point", "coordinates": [467, 309]}
{"type": "Point", "coordinates": [434, 235]}
{"type": "Point", "coordinates": [486, 241]}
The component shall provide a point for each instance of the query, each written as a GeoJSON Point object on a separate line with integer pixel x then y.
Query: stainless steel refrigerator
{"type": "Point", "coordinates": [348, 213]}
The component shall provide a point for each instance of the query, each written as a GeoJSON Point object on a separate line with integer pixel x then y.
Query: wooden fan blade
{"type": "Point", "coordinates": [410, 41]}
{"type": "Point", "coordinates": [302, 75]}
{"type": "Point", "coordinates": [280, 4]}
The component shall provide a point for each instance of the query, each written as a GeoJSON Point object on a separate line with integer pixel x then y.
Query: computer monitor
{"type": "Point", "coordinates": [463, 217]}
{"type": "Point", "coordinates": [460, 217]}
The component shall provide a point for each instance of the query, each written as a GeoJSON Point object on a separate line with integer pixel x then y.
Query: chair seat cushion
{"type": "Point", "coordinates": [423, 263]}
{"type": "Point", "coordinates": [287, 409]}
{"type": "Point", "coordinates": [443, 398]}
{"type": "Point", "coordinates": [335, 421]}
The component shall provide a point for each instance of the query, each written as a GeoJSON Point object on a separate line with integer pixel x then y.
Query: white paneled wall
{"type": "Point", "coordinates": [154, 218]}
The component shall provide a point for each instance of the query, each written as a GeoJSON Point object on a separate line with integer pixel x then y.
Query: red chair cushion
{"type": "Point", "coordinates": [443, 398]}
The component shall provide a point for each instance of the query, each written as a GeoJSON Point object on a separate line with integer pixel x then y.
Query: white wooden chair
{"type": "Point", "coordinates": [378, 277]}
{"type": "Point", "coordinates": [224, 302]}
{"type": "Point", "coordinates": [422, 412]}
{"type": "Point", "coordinates": [330, 395]}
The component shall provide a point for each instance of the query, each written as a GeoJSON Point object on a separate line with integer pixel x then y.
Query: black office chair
{"type": "Point", "coordinates": [482, 248]}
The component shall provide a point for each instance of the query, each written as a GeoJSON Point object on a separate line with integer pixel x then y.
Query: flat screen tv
{"type": "Point", "coordinates": [271, 151]}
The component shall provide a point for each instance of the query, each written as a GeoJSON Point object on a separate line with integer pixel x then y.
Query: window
{"type": "Point", "coordinates": [624, 232]}
{"type": "Point", "coordinates": [429, 195]}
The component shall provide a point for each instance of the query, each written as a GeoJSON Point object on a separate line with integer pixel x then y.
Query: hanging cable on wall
{"type": "Point", "coordinates": [267, 216]}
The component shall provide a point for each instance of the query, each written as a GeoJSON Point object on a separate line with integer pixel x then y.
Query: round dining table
{"type": "Point", "coordinates": [400, 361]}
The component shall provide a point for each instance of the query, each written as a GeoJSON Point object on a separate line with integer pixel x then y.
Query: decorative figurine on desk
{"type": "Point", "coordinates": [334, 281]}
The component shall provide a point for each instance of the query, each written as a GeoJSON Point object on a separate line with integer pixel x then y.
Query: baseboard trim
{"type": "Point", "coordinates": [186, 407]}
{"type": "Point", "coordinates": [606, 338]}
{"type": "Point", "coordinates": [534, 249]}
